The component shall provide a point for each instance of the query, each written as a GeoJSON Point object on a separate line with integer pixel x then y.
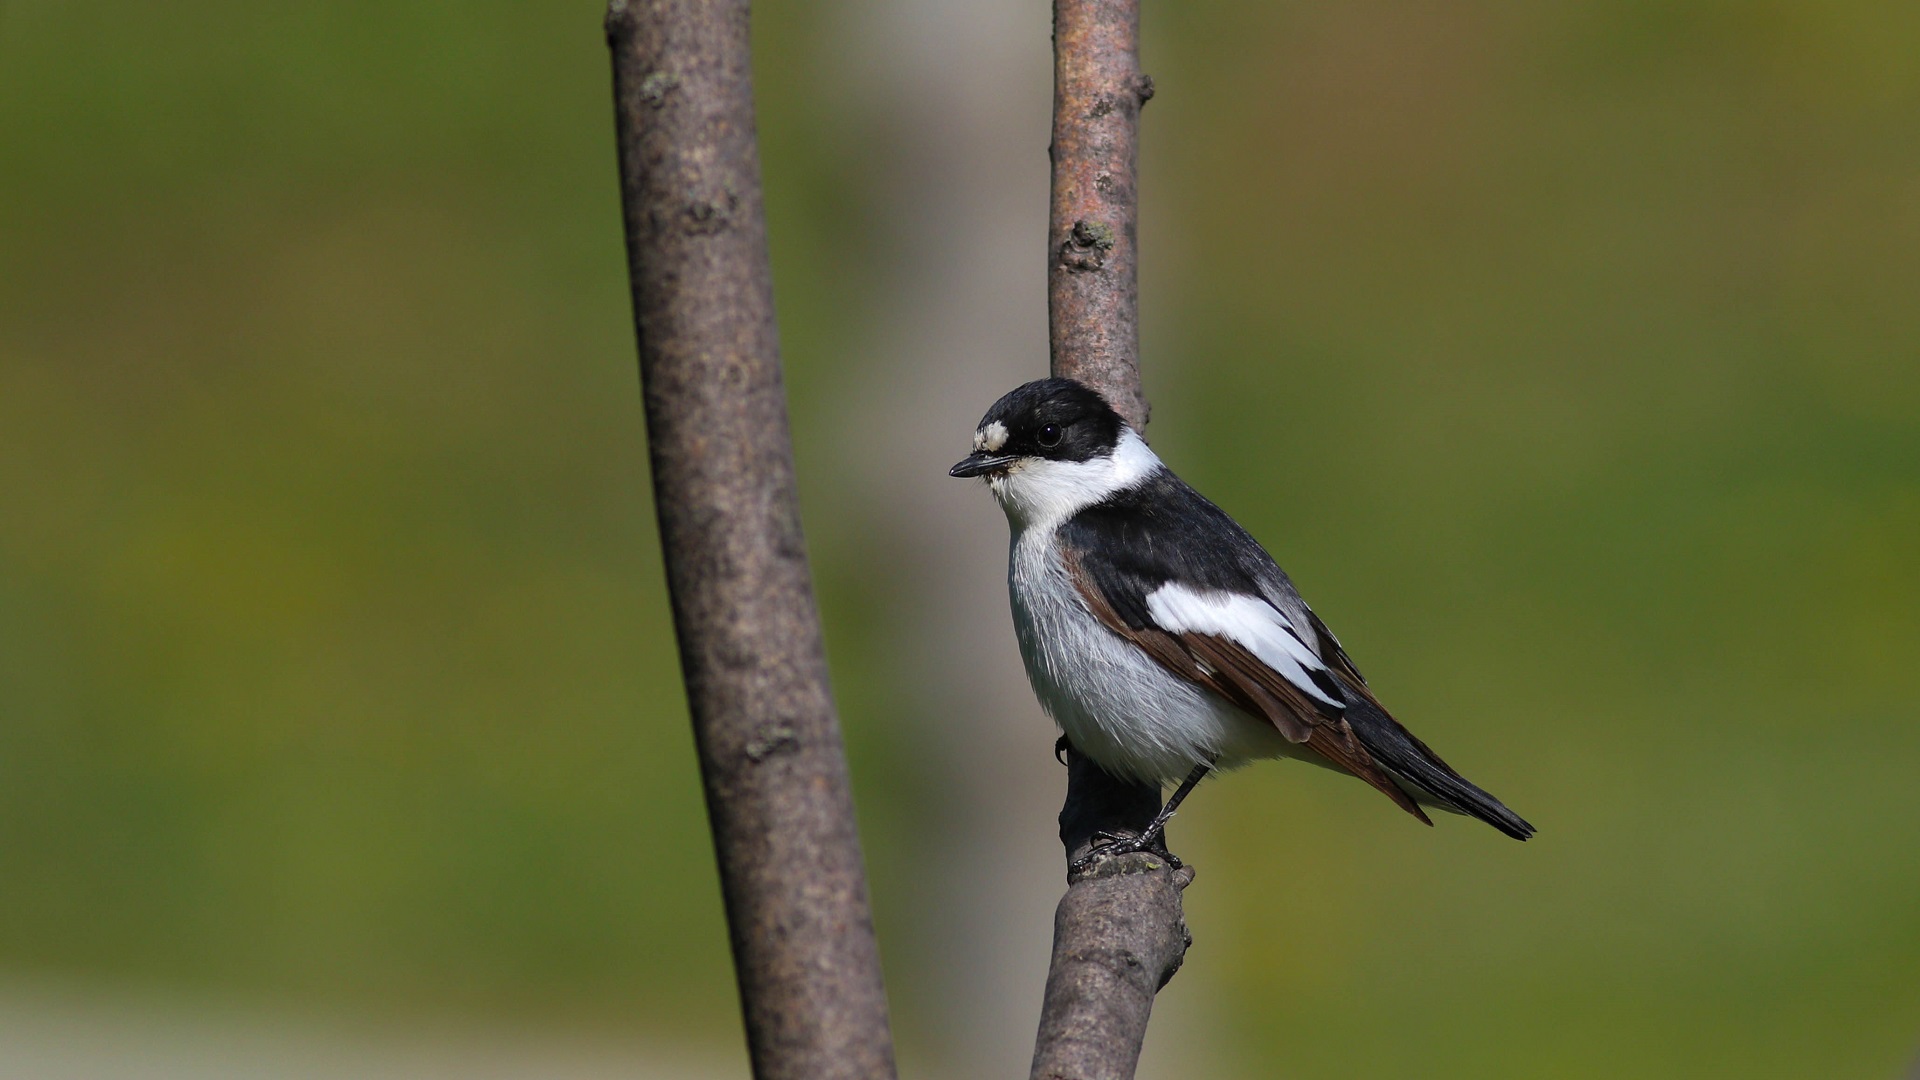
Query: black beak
{"type": "Point", "coordinates": [981, 463]}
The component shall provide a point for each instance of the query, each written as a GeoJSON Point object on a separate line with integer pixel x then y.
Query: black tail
{"type": "Point", "coordinates": [1421, 770]}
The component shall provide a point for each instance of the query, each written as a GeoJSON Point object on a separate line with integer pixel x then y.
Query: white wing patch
{"type": "Point", "coordinates": [1253, 623]}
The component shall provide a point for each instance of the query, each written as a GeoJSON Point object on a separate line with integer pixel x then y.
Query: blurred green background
{"type": "Point", "coordinates": [1567, 354]}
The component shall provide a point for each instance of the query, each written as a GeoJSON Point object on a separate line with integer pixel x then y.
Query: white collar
{"type": "Point", "coordinates": [1040, 493]}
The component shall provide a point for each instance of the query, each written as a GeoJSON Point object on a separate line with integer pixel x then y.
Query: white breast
{"type": "Point", "coordinates": [1117, 705]}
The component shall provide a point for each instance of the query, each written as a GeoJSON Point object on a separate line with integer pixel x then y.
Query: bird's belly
{"type": "Point", "coordinates": [1117, 705]}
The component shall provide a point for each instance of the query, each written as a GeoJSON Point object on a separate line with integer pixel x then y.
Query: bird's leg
{"type": "Point", "coordinates": [1159, 823]}
{"type": "Point", "coordinates": [1148, 839]}
{"type": "Point", "coordinates": [1108, 843]}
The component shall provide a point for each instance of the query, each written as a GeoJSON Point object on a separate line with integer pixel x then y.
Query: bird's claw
{"type": "Point", "coordinates": [1107, 844]}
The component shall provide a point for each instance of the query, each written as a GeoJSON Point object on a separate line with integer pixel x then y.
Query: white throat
{"type": "Point", "coordinates": [1038, 493]}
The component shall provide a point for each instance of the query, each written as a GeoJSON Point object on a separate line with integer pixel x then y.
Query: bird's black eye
{"type": "Point", "coordinates": [1049, 436]}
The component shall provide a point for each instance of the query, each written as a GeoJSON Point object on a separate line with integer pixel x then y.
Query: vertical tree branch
{"type": "Point", "coordinates": [1119, 934]}
{"type": "Point", "coordinates": [1092, 271]}
{"type": "Point", "coordinates": [750, 644]}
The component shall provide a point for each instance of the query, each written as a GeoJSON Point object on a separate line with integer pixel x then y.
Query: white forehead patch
{"type": "Point", "coordinates": [990, 438]}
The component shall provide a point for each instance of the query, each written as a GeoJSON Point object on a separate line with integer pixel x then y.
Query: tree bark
{"type": "Point", "coordinates": [1092, 270]}
{"type": "Point", "coordinates": [1119, 933]}
{"type": "Point", "coordinates": [750, 643]}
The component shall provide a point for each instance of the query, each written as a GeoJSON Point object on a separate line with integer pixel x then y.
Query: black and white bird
{"type": "Point", "coordinates": [1160, 636]}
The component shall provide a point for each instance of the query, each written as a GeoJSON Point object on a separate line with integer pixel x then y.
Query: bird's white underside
{"type": "Point", "coordinates": [1118, 705]}
{"type": "Point", "coordinates": [1114, 702]}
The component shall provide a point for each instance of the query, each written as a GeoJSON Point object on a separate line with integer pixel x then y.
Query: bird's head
{"type": "Point", "coordinates": [1053, 447]}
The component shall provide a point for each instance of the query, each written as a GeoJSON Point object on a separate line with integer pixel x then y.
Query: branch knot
{"type": "Point", "coordinates": [653, 88]}
{"type": "Point", "coordinates": [1087, 245]}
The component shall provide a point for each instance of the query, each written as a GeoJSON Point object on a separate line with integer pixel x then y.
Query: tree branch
{"type": "Point", "coordinates": [750, 643]}
{"type": "Point", "coordinates": [1119, 933]}
{"type": "Point", "coordinates": [1092, 288]}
